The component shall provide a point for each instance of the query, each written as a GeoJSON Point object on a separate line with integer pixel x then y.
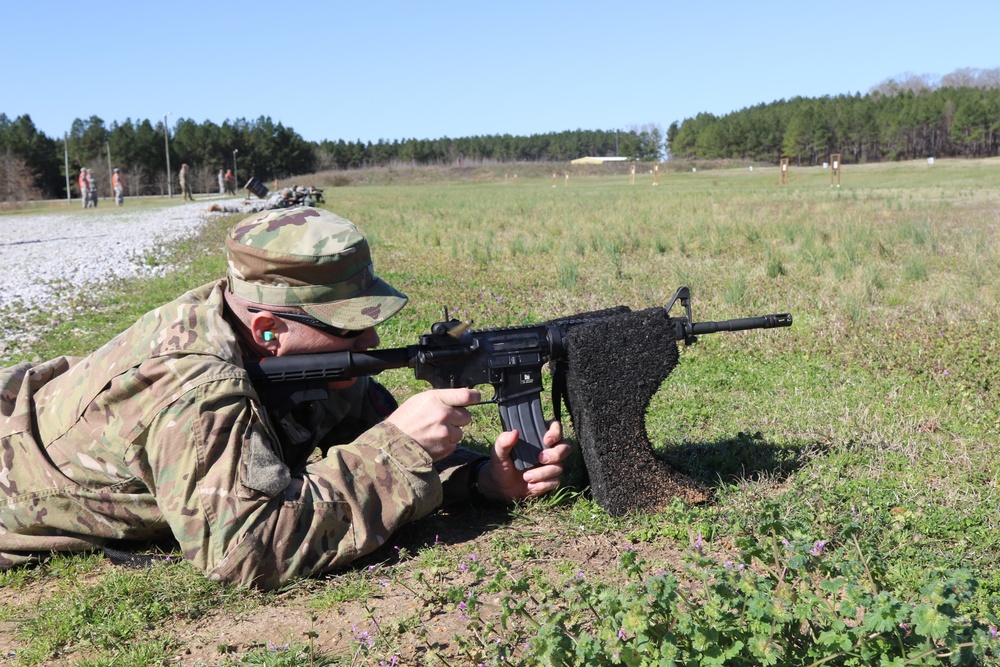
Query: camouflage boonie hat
{"type": "Point", "coordinates": [312, 258]}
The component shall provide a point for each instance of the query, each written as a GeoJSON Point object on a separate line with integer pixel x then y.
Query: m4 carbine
{"type": "Point", "coordinates": [453, 355]}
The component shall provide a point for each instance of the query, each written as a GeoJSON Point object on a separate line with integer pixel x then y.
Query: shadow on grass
{"type": "Point", "coordinates": [451, 525]}
{"type": "Point", "coordinates": [744, 457]}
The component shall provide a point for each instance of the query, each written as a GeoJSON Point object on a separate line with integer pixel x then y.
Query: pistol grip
{"type": "Point", "coordinates": [525, 415]}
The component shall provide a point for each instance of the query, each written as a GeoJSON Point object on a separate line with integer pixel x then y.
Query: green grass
{"type": "Point", "coordinates": [110, 617]}
{"type": "Point", "coordinates": [875, 416]}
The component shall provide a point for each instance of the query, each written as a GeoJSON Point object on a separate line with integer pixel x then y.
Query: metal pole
{"type": "Point", "coordinates": [166, 141]}
{"type": "Point", "coordinates": [111, 186]}
{"type": "Point", "coordinates": [235, 179]}
{"type": "Point", "coordinates": [66, 152]}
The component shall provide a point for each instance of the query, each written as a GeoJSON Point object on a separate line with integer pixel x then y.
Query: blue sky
{"type": "Point", "coordinates": [370, 69]}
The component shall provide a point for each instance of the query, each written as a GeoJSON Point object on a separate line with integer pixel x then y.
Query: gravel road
{"type": "Point", "coordinates": [40, 252]}
{"type": "Point", "coordinates": [44, 256]}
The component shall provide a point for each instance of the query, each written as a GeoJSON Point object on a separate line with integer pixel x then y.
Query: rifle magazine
{"type": "Point", "coordinates": [525, 415]}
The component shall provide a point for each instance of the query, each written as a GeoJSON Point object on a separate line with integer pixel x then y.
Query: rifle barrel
{"type": "Point", "coordinates": [743, 323]}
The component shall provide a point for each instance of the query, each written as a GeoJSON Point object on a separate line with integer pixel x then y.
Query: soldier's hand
{"type": "Point", "coordinates": [501, 480]}
{"type": "Point", "coordinates": [435, 419]}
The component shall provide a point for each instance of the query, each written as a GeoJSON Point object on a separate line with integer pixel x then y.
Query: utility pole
{"type": "Point", "coordinates": [166, 141]}
{"type": "Point", "coordinates": [66, 153]}
{"type": "Point", "coordinates": [235, 178]}
{"type": "Point", "coordinates": [111, 187]}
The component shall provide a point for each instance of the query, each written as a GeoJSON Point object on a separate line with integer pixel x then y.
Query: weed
{"type": "Point", "coordinates": [775, 267]}
{"type": "Point", "coordinates": [789, 598]}
{"type": "Point", "coordinates": [568, 274]}
{"type": "Point", "coordinates": [914, 269]}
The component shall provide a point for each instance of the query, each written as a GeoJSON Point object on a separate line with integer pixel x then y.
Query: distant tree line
{"type": "Point", "coordinates": [639, 143]}
{"type": "Point", "coordinates": [33, 165]}
{"type": "Point", "coordinates": [898, 120]}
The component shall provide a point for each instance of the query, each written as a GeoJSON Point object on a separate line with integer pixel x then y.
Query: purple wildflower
{"type": "Point", "coordinates": [818, 548]}
{"type": "Point", "coordinates": [363, 637]}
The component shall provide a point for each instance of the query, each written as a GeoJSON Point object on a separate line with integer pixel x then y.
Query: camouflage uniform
{"type": "Point", "coordinates": [160, 433]}
{"type": "Point", "coordinates": [185, 185]}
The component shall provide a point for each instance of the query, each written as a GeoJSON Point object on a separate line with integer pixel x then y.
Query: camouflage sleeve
{"type": "Point", "coordinates": [242, 518]}
{"type": "Point", "coordinates": [379, 403]}
{"type": "Point", "coordinates": [454, 470]}
{"type": "Point", "coordinates": [369, 404]}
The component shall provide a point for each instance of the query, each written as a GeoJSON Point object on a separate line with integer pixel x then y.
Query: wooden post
{"type": "Point", "coordinates": [783, 174]}
{"type": "Point", "coordinates": [656, 173]}
{"type": "Point", "coordinates": [631, 178]}
{"type": "Point", "coordinates": [835, 169]}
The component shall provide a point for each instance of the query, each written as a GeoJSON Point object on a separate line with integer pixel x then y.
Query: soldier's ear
{"type": "Point", "coordinates": [263, 326]}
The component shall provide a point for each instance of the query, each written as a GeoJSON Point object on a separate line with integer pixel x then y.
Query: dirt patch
{"type": "Point", "coordinates": [407, 617]}
{"type": "Point", "coordinates": [407, 612]}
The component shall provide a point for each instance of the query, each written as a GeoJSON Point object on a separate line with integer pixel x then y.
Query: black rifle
{"type": "Point", "coordinates": [453, 355]}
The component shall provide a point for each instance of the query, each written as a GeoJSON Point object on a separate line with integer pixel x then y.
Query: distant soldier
{"type": "Point", "coordinates": [84, 184]}
{"type": "Point", "coordinates": [185, 183]}
{"type": "Point", "coordinates": [230, 182]}
{"type": "Point", "coordinates": [92, 188]}
{"type": "Point", "coordinates": [119, 186]}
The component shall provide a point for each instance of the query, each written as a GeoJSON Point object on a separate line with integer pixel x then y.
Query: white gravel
{"type": "Point", "coordinates": [46, 257]}
{"type": "Point", "coordinates": [42, 254]}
